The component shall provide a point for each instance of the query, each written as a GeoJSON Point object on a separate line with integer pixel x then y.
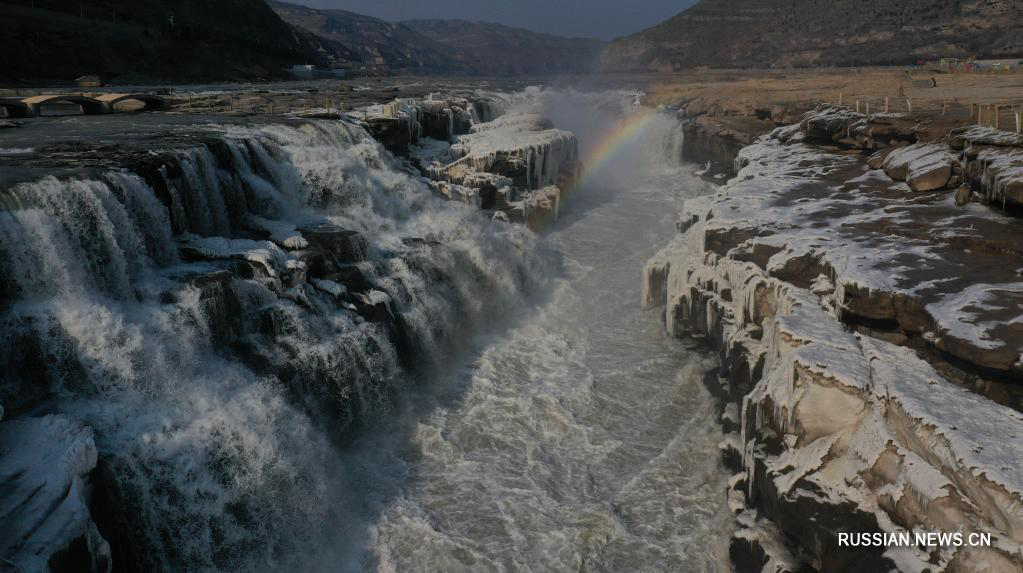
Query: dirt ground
{"type": "Point", "coordinates": [968, 97]}
{"type": "Point", "coordinates": [958, 94]}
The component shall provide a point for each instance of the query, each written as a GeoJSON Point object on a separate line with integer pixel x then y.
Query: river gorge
{"type": "Point", "coordinates": [516, 329]}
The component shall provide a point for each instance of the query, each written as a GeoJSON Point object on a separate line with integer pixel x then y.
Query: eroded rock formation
{"type": "Point", "coordinates": [517, 164]}
{"type": "Point", "coordinates": [870, 352]}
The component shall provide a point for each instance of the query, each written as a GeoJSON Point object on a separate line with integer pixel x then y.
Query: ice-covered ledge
{"type": "Point", "coordinates": [46, 523]}
{"type": "Point", "coordinates": [843, 425]}
{"type": "Point", "coordinates": [518, 166]}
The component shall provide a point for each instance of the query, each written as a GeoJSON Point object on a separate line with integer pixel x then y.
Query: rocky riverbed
{"type": "Point", "coordinates": [860, 278]}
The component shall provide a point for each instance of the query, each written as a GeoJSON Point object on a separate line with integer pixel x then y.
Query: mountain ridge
{"type": "Point", "coordinates": [138, 41]}
{"type": "Point", "coordinates": [444, 45]}
{"type": "Point", "coordinates": [145, 39]}
{"type": "Point", "coordinates": [508, 50]}
{"type": "Point", "coordinates": [368, 41]}
{"type": "Point", "coordinates": [805, 33]}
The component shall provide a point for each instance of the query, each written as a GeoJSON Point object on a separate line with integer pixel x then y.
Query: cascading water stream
{"type": "Point", "coordinates": [259, 406]}
{"type": "Point", "coordinates": [217, 387]}
{"type": "Point", "coordinates": [580, 439]}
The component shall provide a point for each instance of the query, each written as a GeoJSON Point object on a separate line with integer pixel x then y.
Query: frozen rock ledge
{"type": "Point", "coordinates": [46, 524]}
{"type": "Point", "coordinates": [848, 422]}
{"type": "Point", "coordinates": [518, 166]}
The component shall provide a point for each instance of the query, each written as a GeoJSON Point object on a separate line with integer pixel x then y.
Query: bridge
{"type": "Point", "coordinates": [90, 104]}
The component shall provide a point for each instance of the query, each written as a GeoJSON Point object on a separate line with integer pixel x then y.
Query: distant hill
{"type": "Point", "coordinates": [445, 46]}
{"type": "Point", "coordinates": [782, 33]}
{"type": "Point", "coordinates": [371, 41]}
{"type": "Point", "coordinates": [501, 50]}
{"type": "Point", "coordinates": [181, 40]}
{"type": "Point", "coordinates": [201, 40]}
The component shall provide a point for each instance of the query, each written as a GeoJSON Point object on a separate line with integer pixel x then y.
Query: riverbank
{"type": "Point", "coordinates": [859, 276]}
{"type": "Point", "coordinates": [726, 110]}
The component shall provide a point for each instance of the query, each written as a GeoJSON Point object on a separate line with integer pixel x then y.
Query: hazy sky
{"type": "Point", "coordinates": [591, 18]}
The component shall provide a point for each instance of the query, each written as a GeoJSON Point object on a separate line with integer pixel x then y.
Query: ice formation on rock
{"type": "Point", "coordinates": [482, 152]}
{"type": "Point", "coordinates": [44, 468]}
{"type": "Point", "coordinates": [816, 277]}
{"type": "Point", "coordinates": [993, 162]}
{"type": "Point", "coordinates": [402, 122]}
{"type": "Point", "coordinates": [523, 147]}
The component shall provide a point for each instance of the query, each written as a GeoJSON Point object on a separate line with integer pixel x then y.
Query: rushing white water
{"type": "Point", "coordinates": [572, 436]}
{"type": "Point", "coordinates": [215, 400]}
{"type": "Point", "coordinates": [580, 439]}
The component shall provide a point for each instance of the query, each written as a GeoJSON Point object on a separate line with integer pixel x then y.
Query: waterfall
{"type": "Point", "coordinates": [672, 139]}
{"type": "Point", "coordinates": [222, 317]}
{"type": "Point", "coordinates": [587, 114]}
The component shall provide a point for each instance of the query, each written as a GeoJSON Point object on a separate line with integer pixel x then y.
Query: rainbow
{"type": "Point", "coordinates": [625, 132]}
{"type": "Point", "coordinates": [610, 145]}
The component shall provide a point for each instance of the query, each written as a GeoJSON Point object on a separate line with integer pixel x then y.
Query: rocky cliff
{"type": "Point", "coordinates": [870, 355]}
{"type": "Point", "coordinates": [784, 33]}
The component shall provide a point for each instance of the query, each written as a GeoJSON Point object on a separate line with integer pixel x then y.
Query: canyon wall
{"type": "Point", "coordinates": [864, 313]}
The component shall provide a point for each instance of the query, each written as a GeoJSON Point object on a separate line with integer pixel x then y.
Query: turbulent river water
{"type": "Point", "coordinates": [546, 423]}
{"type": "Point", "coordinates": [581, 439]}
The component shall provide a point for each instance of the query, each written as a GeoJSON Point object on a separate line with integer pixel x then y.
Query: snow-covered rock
{"type": "Point", "coordinates": [924, 166]}
{"type": "Point", "coordinates": [993, 162]}
{"type": "Point", "coordinates": [830, 123]}
{"type": "Point", "coordinates": [814, 274]}
{"type": "Point", "coordinates": [834, 124]}
{"type": "Point", "coordinates": [45, 522]}
{"type": "Point", "coordinates": [517, 163]}
{"type": "Point", "coordinates": [536, 208]}
{"type": "Point", "coordinates": [282, 233]}
{"type": "Point", "coordinates": [400, 123]}
{"type": "Point", "coordinates": [266, 255]}
{"type": "Point", "coordinates": [522, 147]}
